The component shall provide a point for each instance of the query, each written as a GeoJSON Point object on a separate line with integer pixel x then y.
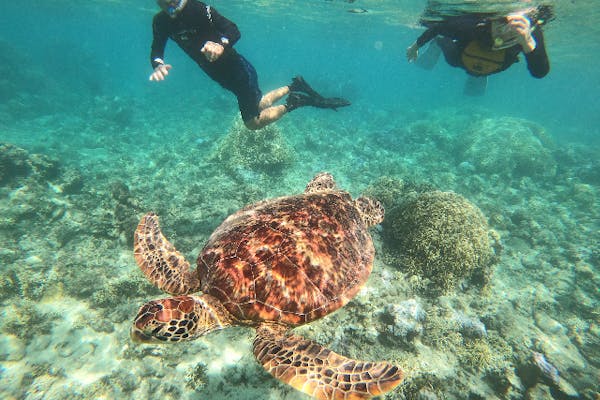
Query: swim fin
{"type": "Point", "coordinates": [430, 57]}
{"type": "Point", "coordinates": [300, 85]}
{"type": "Point", "coordinates": [298, 99]}
{"type": "Point", "coordinates": [330, 102]}
{"type": "Point", "coordinates": [475, 85]}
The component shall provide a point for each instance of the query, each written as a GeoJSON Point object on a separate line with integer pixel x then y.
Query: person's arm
{"type": "Point", "coordinates": [159, 41]}
{"type": "Point", "coordinates": [228, 31]}
{"type": "Point", "coordinates": [157, 50]}
{"type": "Point", "coordinates": [413, 50]}
{"type": "Point", "coordinates": [537, 59]}
{"type": "Point", "coordinates": [531, 41]}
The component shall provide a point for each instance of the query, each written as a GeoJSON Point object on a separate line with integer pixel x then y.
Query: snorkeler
{"type": "Point", "coordinates": [208, 38]}
{"type": "Point", "coordinates": [483, 45]}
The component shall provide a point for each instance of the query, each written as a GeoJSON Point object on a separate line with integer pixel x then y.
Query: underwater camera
{"type": "Point", "coordinates": [503, 36]}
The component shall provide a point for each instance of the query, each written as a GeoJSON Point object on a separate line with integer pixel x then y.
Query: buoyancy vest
{"type": "Point", "coordinates": [480, 60]}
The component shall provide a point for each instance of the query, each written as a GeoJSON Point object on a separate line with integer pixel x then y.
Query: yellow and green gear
{"type": "Point", "coordinates": [481, 60]}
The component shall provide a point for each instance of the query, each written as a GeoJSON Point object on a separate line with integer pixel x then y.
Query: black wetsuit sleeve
{"type": "Point", "coordinates": [427, 36]}
{"type": "Point", "coordinates": [462, 29]}
{"type": "Point", "coordinates": [160, 36]}
{"type": "Point", "coordinates": [537, 61]}
{"type": "Point", "coordinates": [225, 27]}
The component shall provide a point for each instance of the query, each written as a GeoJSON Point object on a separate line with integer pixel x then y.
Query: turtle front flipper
{"type": "Point", "coordinates": [319, 372]}
{"type": "Point", "coordinates": [158, 259]}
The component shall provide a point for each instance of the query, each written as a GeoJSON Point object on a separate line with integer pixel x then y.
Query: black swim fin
{"type": "Point", "coordinates": [330, 102]}
{"type": "Point", "coordinates": [302, 94]}
{"type": "Point", "coordinates": [475, 85]}
{"type": "Point", "coordinates": [298, 99]}
{"type": "Point", "coordinates": [300, 85]}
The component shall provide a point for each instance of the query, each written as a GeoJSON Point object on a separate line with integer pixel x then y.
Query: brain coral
{"type": "Point", "coordinates": [263, 150]}
{"type": "Point", "coordinates": [510, 147]}
{"type": "Point", "coordinates": [441, 237]}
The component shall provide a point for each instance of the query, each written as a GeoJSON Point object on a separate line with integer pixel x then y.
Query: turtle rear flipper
{"type": "Point", "coordinates": [158, 259]}
{"type": "Point", "coordinates": [319, 372]}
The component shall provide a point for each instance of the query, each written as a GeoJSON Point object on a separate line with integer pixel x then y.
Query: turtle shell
{"type": "Point", "coordinates": [292, 259]}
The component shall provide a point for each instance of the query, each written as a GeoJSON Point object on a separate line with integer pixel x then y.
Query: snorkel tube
{"type": "Point", "coordinates": [174, 7]}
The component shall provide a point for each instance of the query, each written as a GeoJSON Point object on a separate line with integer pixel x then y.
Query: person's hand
{"type": "Point", "coordinates": [212, 51]}
{"type": "Point", "coordinates": [160, 72]}
{"type": "Point", "coordinates": [521, 26]}
{"type": "Point", "coordinates": [412, 52]}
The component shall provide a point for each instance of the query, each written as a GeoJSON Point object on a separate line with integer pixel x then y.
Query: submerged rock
{"type": "Point", "coordinates": [404, 320]}
{"type": "Point", "coordinates": [470, 327]}
{"type": "Point", "coordinates": [547, 371]}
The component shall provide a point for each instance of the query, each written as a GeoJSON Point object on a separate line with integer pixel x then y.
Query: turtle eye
{"type": "Point", "coordinates": [138, 336]}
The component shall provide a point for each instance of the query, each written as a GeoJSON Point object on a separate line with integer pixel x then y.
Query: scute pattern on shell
{"type": "Point", "coordinates": [291, 259]}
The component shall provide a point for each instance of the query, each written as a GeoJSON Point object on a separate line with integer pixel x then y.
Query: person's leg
{"type": "Point", "coordinates": [268, 112]}
{"type": "Point", "coordinates": [294, 100]}
{"type": "Point", "coordinates": [266, 117]}
{"type": "Point", "coordinates": [257, 110]}
{"type": "Point", "coordinates": [272, 97]}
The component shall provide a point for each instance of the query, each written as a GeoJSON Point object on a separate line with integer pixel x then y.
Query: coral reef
{"type": "Point", "coordinates": [264, 150]}
{"type": "Point", "coordinates": [440, 330]}
{"type": "Point", "coordinates": [25, 320]}
{"type": "Point", "coordinates": [392, 191]}
{"type": "Point", "coordinates": [441, 237]}
{"type": "Point", "coordinates": [509, 147]}
{"type": "Point", "coordinates": [70, 285]}
{"type": "Point", "coordinates": [16, 163]}
{"type": "Point", "coordinates": [197, 377]}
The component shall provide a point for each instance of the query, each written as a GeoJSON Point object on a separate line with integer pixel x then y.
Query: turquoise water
{"type": "Point", "coordinates": [88, 145]}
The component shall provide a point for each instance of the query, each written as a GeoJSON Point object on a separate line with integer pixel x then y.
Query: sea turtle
{"type": "Point", "coordinates": [273, 265]}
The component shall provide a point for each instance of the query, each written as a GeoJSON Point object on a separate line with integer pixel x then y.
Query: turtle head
{"type": "Point", "coordinates": [178, 318]}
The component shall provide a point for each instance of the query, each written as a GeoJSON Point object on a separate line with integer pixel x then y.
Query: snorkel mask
{"type": "Point", "coordinates": [172, 7]}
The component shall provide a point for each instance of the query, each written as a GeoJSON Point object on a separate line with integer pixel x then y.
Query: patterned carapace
{"type": "Point", "coordinates": [296, 267]}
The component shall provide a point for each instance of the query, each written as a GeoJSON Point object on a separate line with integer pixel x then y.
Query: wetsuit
{"type": "Point", "coordinates": [196, 24]}
{"type": "Point", "coordinates": [458, 32]}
